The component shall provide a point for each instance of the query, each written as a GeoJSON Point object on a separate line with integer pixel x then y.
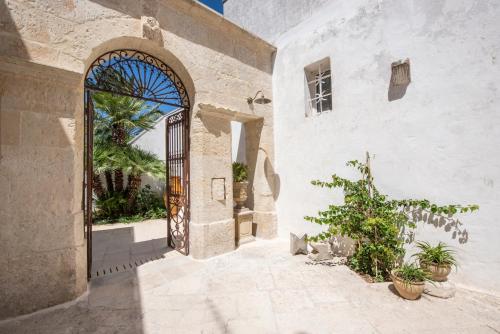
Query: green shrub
{"type": "Point", "coordinates": [147, 200]}
{"type": "Point", "coordinates": [240, 172]}
{"type": "Point", "coordinates": [112, 205]}
{"type": "Point", "coordinates": [114, 208]}
{"type": "Point", "coordinates": [378, 225]}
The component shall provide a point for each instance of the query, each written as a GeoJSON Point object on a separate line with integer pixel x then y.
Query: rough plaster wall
{"type": "Point", "coordinates": [44, 177]}
{"type": "Point", "coordinates": [439, 141]}
{"type": "Point", "coordinates": [270, 19]}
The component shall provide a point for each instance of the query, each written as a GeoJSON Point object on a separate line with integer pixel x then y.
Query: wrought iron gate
{"type": "Point", "coordinates": [88, 175]}
{"type": "Point", "coordinates": [140, 75]}
{"type": "Point", "coordinates": [177, 154]}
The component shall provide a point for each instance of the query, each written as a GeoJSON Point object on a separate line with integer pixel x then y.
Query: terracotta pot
{"type": "Point", "coordinates": [439, 272]}
{"type": "Point", "coordinates": [406, 290]}
{"type": "Point", "coordinates": [240, 193]}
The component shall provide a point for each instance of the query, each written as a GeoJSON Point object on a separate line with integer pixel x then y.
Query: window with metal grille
{"type": "Point", "coordinates": [318, 87]}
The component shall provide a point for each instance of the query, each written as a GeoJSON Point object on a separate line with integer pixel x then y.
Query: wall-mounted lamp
{"type": "Point", "coordinates": [260, 100]}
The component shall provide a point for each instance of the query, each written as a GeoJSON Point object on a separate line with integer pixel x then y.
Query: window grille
{"type": "Point", "coordinates": [318, 87]}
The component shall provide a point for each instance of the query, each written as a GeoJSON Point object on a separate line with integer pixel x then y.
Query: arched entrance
{"type": "Point", "coordinates": [136, 74]}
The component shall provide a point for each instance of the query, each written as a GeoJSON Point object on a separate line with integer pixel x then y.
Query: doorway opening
{"type": "Point", "coordinates": [136, 161]}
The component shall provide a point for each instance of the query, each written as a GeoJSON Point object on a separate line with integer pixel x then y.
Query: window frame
{"type": "Point", "coordinates": [315, 80]}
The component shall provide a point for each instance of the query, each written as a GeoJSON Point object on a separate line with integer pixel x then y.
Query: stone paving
{"type": "Point", "coordinates": [121, 247]}
{"type": "Point", "coordinates": [259, 288]}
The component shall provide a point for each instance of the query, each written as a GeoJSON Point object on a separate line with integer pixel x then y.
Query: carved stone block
{"type": "Point", "coordinates": [440, 289]}
{"type": "Point", "coordinates": [219, 188]}
{"type": "Point", "coordinates": [320, 251]}
{"type": "Point", "coordinates": [298, 244]}
{"type": "Point", "coordinates": [243, 219]}
{"type": "Point", "coordinates": [151, 29]}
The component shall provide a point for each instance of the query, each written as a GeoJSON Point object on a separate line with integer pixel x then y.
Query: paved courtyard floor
{"type": "Point", "coordinates": [259, 288]}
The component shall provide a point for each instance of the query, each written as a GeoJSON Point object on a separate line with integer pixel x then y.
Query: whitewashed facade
{"type": "Point", "coordinates": [437, 139]}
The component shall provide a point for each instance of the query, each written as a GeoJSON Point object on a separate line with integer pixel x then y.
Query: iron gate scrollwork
{"type": "Point", "coordinates": [178, 180]}
{"type": "Point", "coordinates": [137, 74]}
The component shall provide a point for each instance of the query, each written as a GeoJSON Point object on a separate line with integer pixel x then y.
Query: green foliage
{"type": "Point", "coordinates": [130, 159]}
{"type": "Point", "coordinates": [441, 254]}
{"type": "Point", "coordinates": [411, 273]}
{"type": "Point", "coordinates": [113, 205]}
{"type": "Point", "coordinates": [376, 223]}
{"type": "Point", "coordinates": [118, 118]}
{"type": "Point", "coordinates": [147, 200]}
{"type": "Point", "coordinates": [240, 172]}
{"type": "Point", "coordinates": [113, 209]}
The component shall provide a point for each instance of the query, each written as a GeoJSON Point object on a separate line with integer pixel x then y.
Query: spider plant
{"type": "Point", "coordinates": [410, 273]}
{"type": "Point", "coordinates": [441, 254]}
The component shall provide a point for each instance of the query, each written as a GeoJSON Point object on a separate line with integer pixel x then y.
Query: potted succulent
{"type": "Point", "coordinates": [240, 184]}
{"type": "Point", "coordinates": [409, 280]}
{"type": "Point", "coordinates": [436, 260]}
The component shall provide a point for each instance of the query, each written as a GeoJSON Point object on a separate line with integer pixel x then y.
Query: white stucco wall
{"type": "Point", "coordinates": [154, 141]}
{"type": "Point", "coordinates": [270, 19]}
{"type": "Point", "coordinates": [238, 146]}
{"type": "Point", "coordinates": [440, 141]}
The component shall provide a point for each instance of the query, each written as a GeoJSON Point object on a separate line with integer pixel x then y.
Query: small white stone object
{"type": "Point", "coordinates": [298, 244]}
{"type": "Point", "coordinates": [440, 289]}
{"type": "Point", "coordinates": [320, 251]}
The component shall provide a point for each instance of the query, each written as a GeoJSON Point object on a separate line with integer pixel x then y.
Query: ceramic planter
{"type": "Point", "coordinates": [240, 193]}
{"type": "Point", "coordinates": [406, 290]}
{"type": "Point", "coordinates": [439, 272]}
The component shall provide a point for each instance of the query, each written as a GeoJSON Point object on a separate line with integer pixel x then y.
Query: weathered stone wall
{"type": "Point", "coordinates": [41, 223]}
{"type": "Point", "coordinates": [439, 140]}
{"type": "Point", "coordinates": [45, 48]}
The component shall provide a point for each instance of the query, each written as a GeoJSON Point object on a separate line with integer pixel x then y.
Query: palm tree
{"type": "Point", "coordinates": [131, 159]}
{"type": "Point", "coordinates": [140, 162]}
{"type": "Point", "coordinates": [117, 119]}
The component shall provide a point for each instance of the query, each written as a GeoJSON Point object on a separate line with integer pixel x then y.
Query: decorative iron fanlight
{"type": "Point", "coordinates": [137, 74]}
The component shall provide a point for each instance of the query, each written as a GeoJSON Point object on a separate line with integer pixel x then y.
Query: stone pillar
{"type": "Point", "coordinates": [212, 229]}
{"type": "Point", "coordinates": [262, 177]}
{"type": "Point", "coordinates": [43, 249]}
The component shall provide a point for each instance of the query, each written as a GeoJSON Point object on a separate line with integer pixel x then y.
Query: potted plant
{"type": "Point", "coordinates": [436, 260]}
{"type": "Point", "coordinates": [240, 184]}
{"type": "Point", "coordinates": [409, 280]}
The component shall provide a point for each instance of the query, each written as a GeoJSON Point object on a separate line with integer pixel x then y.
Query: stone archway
{"type": "Point", "coordinates": [139, 75]}
{"type": "Point", "coordinates": [41, 152]}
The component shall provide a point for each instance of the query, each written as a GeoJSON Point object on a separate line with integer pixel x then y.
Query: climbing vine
{"type": "Point", "coordinates": [377, 224]}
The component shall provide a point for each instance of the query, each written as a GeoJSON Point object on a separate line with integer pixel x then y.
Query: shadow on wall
{"type": "Point", "coordinates": [12, 44]}
{"type": "Point", "coordinates": [273, 179]}
{"type": "Point", "coordinates": [449, 224]}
